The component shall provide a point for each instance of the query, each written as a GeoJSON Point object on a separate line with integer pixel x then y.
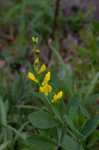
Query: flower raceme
{"type": "Point", "coordinates": [57, 96]}
{"type": "Point", "coordinates": [44, 87]}
{"type": "Point", "coordinates": [32, 77]}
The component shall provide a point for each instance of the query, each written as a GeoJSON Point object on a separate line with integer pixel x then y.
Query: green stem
{"type": "Point", "coordinates": [27, 106]}
{"type": "Point", "coordinates": [55, 112]}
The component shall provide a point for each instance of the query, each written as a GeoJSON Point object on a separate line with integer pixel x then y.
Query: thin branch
{"type": "Point", "coordinates": [55, 18]}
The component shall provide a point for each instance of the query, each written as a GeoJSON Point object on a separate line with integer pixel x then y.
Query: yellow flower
{"type": "Point", "coordinates": [36, 61]}
{"type": "Point", "coordinates": [31, 76]}
{"type": "Point", "coordinates": [45, 89]}
{"type": "Point", "coordinates": [47, 78]}
{"type": "Point", "coordinates": [43, 68]}
{"type": "Point", "coordinates": [35, 39]}
{"type": "Point", "coordinates": [37, 51]}
{"type": "Point", "coordinates": [57, 96]}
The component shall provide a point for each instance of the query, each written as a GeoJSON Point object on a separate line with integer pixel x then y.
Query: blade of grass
{"type": "Point", "coordinates": [92, 85]}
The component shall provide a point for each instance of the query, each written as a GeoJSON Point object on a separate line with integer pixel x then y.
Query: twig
{"type": "Point", "coordinates": [54, 28]}
{"type": "Point", "coordinates": [55, 18]}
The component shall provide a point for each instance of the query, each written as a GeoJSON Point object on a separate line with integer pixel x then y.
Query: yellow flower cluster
{"type": "Point", "coordinates": [44, 87]}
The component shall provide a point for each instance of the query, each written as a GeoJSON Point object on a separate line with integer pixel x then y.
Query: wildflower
{"type": "Point", "coordinates": [43, 68]}
{"type": "Point", "coordinates": [45, 89]}
{"type": "Point", "coordinates": [31, 76]}
{"type": "Point", "coordinates": [36, 61]}
{"type": "Point", "coordinates": [57, 96]}
{"type": "Point", "coordinates": [35, 39]}
{"type": "Point", "coordinates": [37, 51]}
{"type": "Point", "coordinates": [46, 78]}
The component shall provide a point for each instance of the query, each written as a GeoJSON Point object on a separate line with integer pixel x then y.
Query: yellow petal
{"type": "Point", "coordinates": [57, 96]}
{"type": "Point", "coordinates": [60, 94]}
{"type": "Point", "coordinates": [48, 88]}
{"type": "Point", "coordinates": [47, 78]}
{"type": "Point", "coordinates": [45, 89]}
{"type": "Point", "coordinates": [36, 61]}
{"type": "Point", "coordinates": [35, 39]}
{"type": "Point", "coordinates": [37, 51]}
{"type": "Point", "coordinates": [41, 89]}
{"type": "Point", "coordinates": [43, 68]}
{"type": "Point", "coordinates": [32, 77]}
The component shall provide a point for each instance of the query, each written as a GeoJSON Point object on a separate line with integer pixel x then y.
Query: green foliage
{"type": "Point", "coordinates": [88, 54]}
{"type": "Point", "coordinates": [74, 22]}
{"type": "Point", "coordinates": [42, 120]}
{"type": "Point", "coordinates": [30, 16]}
{"type": "Point", "coordinates": [40, 143]}
{"type": "Point", "coordinates": [37, 124]}
{"type": "Point", "coordinates": [28, 119]}
{"type": "Point", "coordinates": [75, 130]}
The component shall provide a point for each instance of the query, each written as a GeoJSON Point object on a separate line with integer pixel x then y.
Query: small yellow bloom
{"type": "Point", "coordinates": [43, 68]}
{"type": "Point", "coordinates": [57, 96]}
{"type": "Point", "coordinates": [32, 77]}
{"type": "Point", "coordinates": [47, 78]}
{"type": "Point", "coordinates": [36, 61]}
{"type": "Point", "coordinates": [37, 51]}
{"type": "Point", "coordinates": [35, 39]}
{"type": "Point", "coordinates": [45, 89]}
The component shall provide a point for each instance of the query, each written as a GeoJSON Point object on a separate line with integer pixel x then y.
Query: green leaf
{"type": "Point", "coordinates": [42, 120]}
{"type": "Point", "coordinates": [37, 142]}
{"type": "Point", "coordinates": [74, 102]}
{"type": "Point", "coordinates": [71, 125]}
{"type": "Point", "coordinates": [84, 111]}
{"type": "Point", "coordinates": [68, 72]}
{"type": "Point", "coordinates": [90, 126]}
{"type": "Point", "coordinates": [3, 114]}
{"type": "Point", "coordinates": [93, 139]}
{"type": "Point", "coordinates": [82, 51]}
{"type": "Point", "coordinates": [92, 85]}
{"type": "Point", "coordinates": [43, 99]}
{"type": "Point", "coordinates": [69, 144]}
{"type": "Point", "coordinates": [96, 26]}
{"type": "Point", "coordinates": [89, 99]}
{"type": "Point", "coordinates": [3, 119]}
